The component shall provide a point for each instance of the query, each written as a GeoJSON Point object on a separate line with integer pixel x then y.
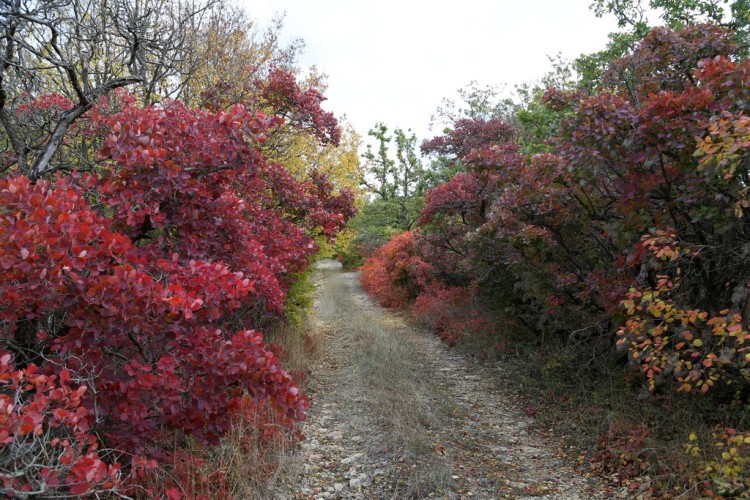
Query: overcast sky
{"type": "Point", "coordinates": [395, 60]}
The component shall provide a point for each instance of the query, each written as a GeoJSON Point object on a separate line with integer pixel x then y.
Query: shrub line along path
{"type": "Point", "coordinates": [396, 414]}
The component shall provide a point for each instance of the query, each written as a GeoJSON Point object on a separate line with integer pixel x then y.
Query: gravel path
{"type": "Point", "coordinates": [396, 414]}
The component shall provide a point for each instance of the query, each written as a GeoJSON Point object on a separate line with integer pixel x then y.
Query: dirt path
{"type": "Point", "coordinates": [395, 414]}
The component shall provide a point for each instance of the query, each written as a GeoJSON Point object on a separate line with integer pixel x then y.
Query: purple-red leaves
{"type": "Point", "coordinates": [639, 216]}
{"type": "Point", "coordinates": [144, 283]}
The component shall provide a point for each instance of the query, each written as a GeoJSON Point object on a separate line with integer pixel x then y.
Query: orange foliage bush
{"type": "Point", "coordinates": [395, 274]}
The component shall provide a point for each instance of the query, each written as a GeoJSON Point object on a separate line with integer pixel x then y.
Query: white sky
{"type": "Point", "coordinates": [395, 60]}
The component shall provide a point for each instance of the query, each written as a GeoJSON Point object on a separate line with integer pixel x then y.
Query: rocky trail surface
{"type": "Point", "coordinates": [396, 414]}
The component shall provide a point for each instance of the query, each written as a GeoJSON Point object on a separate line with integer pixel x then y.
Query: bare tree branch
{"type": "Point", "coordinates": [83, 50]}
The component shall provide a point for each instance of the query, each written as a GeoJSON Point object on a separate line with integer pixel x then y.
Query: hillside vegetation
{"type": "Point", "coordinates": [595, 233]}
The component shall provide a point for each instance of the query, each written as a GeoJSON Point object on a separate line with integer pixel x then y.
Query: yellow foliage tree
{"type": "Point", "coordinates": [302, 154]}
{"type": "Point", "coordinates": [230, 51]}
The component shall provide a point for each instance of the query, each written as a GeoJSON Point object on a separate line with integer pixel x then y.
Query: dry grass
{"type": "Point", "coordinates": [254, 462]}
{"type": "Point", "coordinates": [249, 462]}
{"type": "Point", "coordinates": [388, 378]}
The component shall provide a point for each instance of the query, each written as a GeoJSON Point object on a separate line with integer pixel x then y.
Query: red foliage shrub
{"type": "Point", "coordinates": [284, 95]}
{"type": "Point", "coordinates": [398, 277]}
{"type": "Point", "coordinates": [468, 135]}
{"type": "Point", "coordinates": [395, 274]}
{"type": "Point", "coordinates": [46, 444]}
{"type": "Point", "coordinates": [449, 312]}
{"type": "Point", "coordinates": [127, 281]}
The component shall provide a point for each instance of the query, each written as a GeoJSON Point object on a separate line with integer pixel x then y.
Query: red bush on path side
{"type": "Point", "coordinates": [632, 234]}
{"type": "Point", "coordinates": [120, 289]}
{"type": "Point", "coordinates": [631, 227]}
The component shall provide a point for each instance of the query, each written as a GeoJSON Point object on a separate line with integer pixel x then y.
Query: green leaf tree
{"type": "Point", "coordinates": [395, 179]}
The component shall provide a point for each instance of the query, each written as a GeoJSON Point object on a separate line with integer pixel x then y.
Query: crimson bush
{"type": "Point", "coordinates": [131, 293]}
